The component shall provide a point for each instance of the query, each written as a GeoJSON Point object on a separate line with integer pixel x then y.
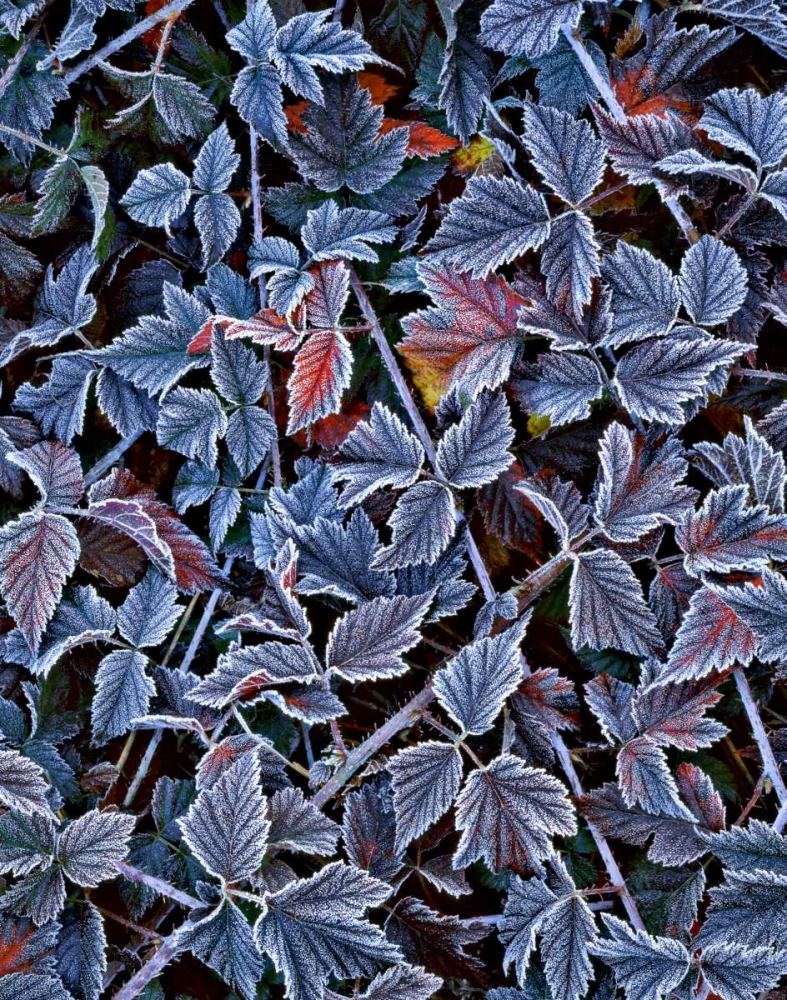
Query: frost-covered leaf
{"type": "Point", "coordinates": [645, 295]}
{"type": "Point", "coordinates": [570, 262]}
{"type": "Point", "coordinates": [38, 553]}
{"type": "Point", "coordinates": [368, 643]}
{"type": "Point", "coordinates": [226, 828]}
{"type": "Point", "coordinates": [333, 233]}
{"type": "Point", "coordinates": [749, 123]}
{"type": "Point", "coordinates": [761, 614]}
{"type": "Point", "coordinates": [748, 908]}
{"type": "Point", "coordinates": [475, 684]}
{"type": "Point", "coordinates": [739, 973]}
{"type": "Point", "coordinates": [132, 519]}
{"type": "Point", "coordinates": [81, 952]}
{"type": "Point", "coordinates": [123, 693]}
{"type": "Point", "coordinates": [474, 451]}
{"type": "Point", "coordinates": [158, 196]}
{"type": "Point", "coordinates": [56, 471]}
{"type": "Point", "coordinates": [316, 927]}
{"type": "Point", "coordinates": [379, 452]}
{"type": "Point", "coordinates": [245, 672]}
{"type": "Point", "coordinates": [655, 379]}
{"type": "Point", "coordinates": [422, 525]}
{"type": "Point", "coordinates": [464, 79]}
{"type": "Point", "coordinates": [223, 940]}
{"type": "Point", "coordinates": [320, 376]}
{"type": "Point", "coordinates": [298, 825]}
{"type": "Point", "coordinates": [637, 485]}
{"type": "Point", "coordinates": [644, 966]}
{"type": "Point", "coordinates": [754, 846]}
{"type": "Point", "coordinates": [560, 386]}
{"type": "Point", "coordinates": [495, 221]}
{"type": "Point", "coordinates": [89, 848]}
{"type": "Point", "coordinates": [32, 986]}
{"type": "Point", "coordinates": [469, 338]}
{"type": "Point", "coordinates": [565, 152]}
{"type": "Point", "coordinates": [508, 813]}
{"type": "Point", "coordinates": [150, 611]}
{"type": "Point", "coordinates": [190, 421]}
{"type": "Point", "coordinates": [425, 781]}
{"type": "Point", "coordinates": [342, 144]}
{"type": "Point", "coordinates": [726, 533]}
{"type": "Point", "coordinates": [22, 784]}
{"type": "Point", "coordinates": [644, 777]}
{"type": "Point", "coordinates": [749, 461]}
{"type": "Point", "coordinates": [528, 27]}
{"type": "Point", "coordinates": [607, 606]}
{"type": "Point", "coordinates": [713, 282]}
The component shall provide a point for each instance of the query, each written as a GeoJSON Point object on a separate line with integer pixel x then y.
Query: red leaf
{"type": "Point", "coordinates": [195, 567]}
{"type": "Point", "coordinates": [38, 553]}
{"type": "Point", "coordinates": [697, 790]}
{"type": "Point", "coordinates": [332, 430]}
{"type": "Point", "coordinates": [294, 114]}
{"type": "Point", "coordinates": [320, 375]}
{"type": "Point", "coordinates": [200, 342]}
{"type": "Point", "coordinates": [508, 514]}
{"type": "Point", "coordinates": [379, 88]}
{"type": "Point", "coordinates": [133, 520]}
{"type": "Point", "coordinates": [21, 945]}
{"type": "Point", "coordinates": [424, 141]}
{"type": "Point", "coordinates": [469, 336]}
{"type": "Point", "coordinates": [267, 327]}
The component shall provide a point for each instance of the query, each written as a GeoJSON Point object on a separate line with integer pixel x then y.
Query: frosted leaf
{"type": "Point", "coordinates": [565, 151]}
{"type": "Point", "coordinates": [158, 196]}
{"type": "Point", "coordinates": [226, 828]}
{"type": "Point", "coordinates": [607, 607]}
{"type": "Point", "coordinates": [39, 896]}
{"type": "Point", "coordinates": [190, 421]}
{"type": "Point", "coordinates": [320, 376]}
{"type": "Point", "coordinates": [216, 162]}
{"type": "Point", "coordinates": [223, 940]}
{"type": "Point", "coordinates": [774, 190]}
{"type": "Point", "coordinates": [644, 778]}
{"type": "Point", "coordinates": [58, 405]}
{"type": "Point", "coordinates": [217, 220]}
{"type": "Point", "coordinates": [560, 386]}
{"type": "Point", "coordinates": [32, 986]}
{"type": "Point", "coordinates": [150, 611]}
{"type": "Point", "coordinates": [494, 221]}
{"type": "Point", "coordinates": [713, 282]}
{"type": "Point", "coordinates": [754, 846]}
{"type": "Point", "coordinates": [90, 847]}
{"type": "Point", "coordinates": [425, 781]}
{"type": "Point", "coordinates": [761, 612]}
{"type": "Point", "coordinates": [570, 262]}
{"type": "Point", "coordinates": [253, 36]}
{"type": "Point", "coordinates": [22, 784]}
{"type": "Point", "coordinates": [508, 813]}
{"type": "Point", "coordinates": [749, 123]}
{"type": "Point", "coordinates": [422, 526]}
{"type": "Point", "coordinates": [332, 233]}
{"type": "Point", "coordinates": [527, 27]}
{"type": "Point", "coordinates": [464, 80]}
{"type": "Point", "coordinates": [55, 469]}
{"type": "Point", "coordinates": [379, 452]}
{"type": "Point", "coordinates": [123, 693]}
{"type": "Point", "coordinates": [368, 643]}
{"type": "Point", "coordinates": [644, 966]}
{"type": "Point", "coordinates": [645, 296]}
{"type": "Point", "coordinates": [402, 982]}
{"type": "Point", "coordinates": [476, 683]}
{"type": "Point", "coordinates": [297, 825]}
{"type": "Point", "coordinates": [474, 451]}
{"type": "Point", "coordinates": [81, 952]}
{"type": "Point", "coordinates": [247, 671]}
{"type": "Point", "coordinates": [127, 408]}
{"type": "Point", "coordinates": [739, 973]}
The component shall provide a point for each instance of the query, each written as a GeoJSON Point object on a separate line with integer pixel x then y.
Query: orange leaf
{"type": "Point", "coordinates": [424, 141]}
{"type": "Point", "coordinates": [294, 114]}
{"type": "Point", "coordinates": [379, 88]}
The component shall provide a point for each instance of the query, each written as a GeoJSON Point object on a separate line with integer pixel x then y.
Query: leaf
{"type": "Point", "coordinates": [223, 940]}
{"type": "Point", "coordinates": [368, 643]}
{"type": "Point", "coordinates": [226, 827]}
{"type": "Point", "coordinates": [369, 830]}
{"type": "Point", "coordinates": [298, 825]}
{"type": "Point", "coordinates": [656, 378]}
{"type": "Point", "coordinates": [644, 966]}
{"type": "Point", "coordinates": [713, 282]}
{"type": "Point", "coordinates": [559, 502]}
{"type": "Point", "coordinates": [470, 337]}
{"type": "Point", "coordinates": [565, 925]}
{"type": "Point", "coordinates": [182, 105]}
{"type": "Point", "coordinates": [464, 80]}
{"type": "Point", "coordinates": [570, 262]}
{"type": "Point", "coordinates": [132, 519]}
{"type": "Point", "coordinates": [379, 452]}
{"type": "Point", "coordinates": [81, 952]}
{"type": "Point", "coordinates": [749, 461]}
{"type": "Point", "coordinates": [637, 485]}
{"type": "Point", "coordinates": [755, 846]}
{"type": "Point", "coordinates": [316, 927]}
{"type": "Point", "coordinates": [158, 196]}
{"type": "Point", "coordinates": [55, 469]}
{"type": "Point", "coordinates": [311, 41]}
{"type": "Point", "coordinates": [342, 144]}
{"type": "Point", "coordinates": [123, 693]}
{"type": "Point", "coordinates": [527, 27]}
{"type": "Point", "coordinates": [726, 533]}
{"type": "Point", "coordinates": [253, 36]}
{"type": "Point", "coordinates": [425, 781]}
{"type": "Point", "coordinates": [645, 296]}
{"type": "Point", "coordinates": [217, 220]}
{"type": "Point", "coordinates": [90, 847]}
{"type": "Point", "coordinates": [494, 222]}
{"type": "Point", "coordinates": [39, 896]}
{"type": "Point", "coordinates": [508, 812]}
{"type": "Point", "coordinates": [644, 777]}
{"type": "Point", "coordinates": [747, 908]}
{"type": "Point", "coordinates": [476, 683]}
{"type": "Point", "coordinates": [402, 982]}
{"type": "Point", "coordinates": [257, 95]}
{"type": "Point", "coordinates": [749, 123]}
{"type": "Point", "coordinates": [474, 451]}
{"type": "Point", "coordinates": [561, 79]}
{"type": "Point", "coordinates": [26, 948]}
{"type": "Point", "coordinates": [33, 987]}
{"type": "Point", "coordinates": [320, 376]}
{"type": "Point", "coordinates": [216, 162]}
{"type": "Point", "coordinates": [127, 408]}
{"type": "Point", "coordinates": [22, 784]}
{"type": "Point", "coordinates": [422, 525]}
{"type": "Point", "coordinates": [331, 233]}
{"type": "Point", "coordinates": [564, 151]}
{"type": "Point", "coordinates": [150, 611]}
{"type": "Point", "coordinates": [39, 552]}
{"type": "Point", "coordinates": [190, 421]}
{"type": "Point", "coordinates": [607, 607]}
{"type": "Point", "coordinates": [560, 386]}
{"type": "Point", "coordinates": [245, 672]}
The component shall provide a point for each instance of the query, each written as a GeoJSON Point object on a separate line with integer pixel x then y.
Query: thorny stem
{"type": "Point", "coordinates": [19, 55]}
{"type": "Point", "coordinates": [154, 966]}
{"type": "Point", "coordinates": [614, 107]}
{"type": "Point", "coordinates": [114, 455]}
{"type": "Point", "coordinates": [758, 374]}
{"type": "Point", "coordinates": [769, 763]}
{"type": "Point", "coordinates": [157, 884]}
{"type": "Point", "coordinates": [171, 10]}
{"type": "Point", "coordinates": [526, 594]}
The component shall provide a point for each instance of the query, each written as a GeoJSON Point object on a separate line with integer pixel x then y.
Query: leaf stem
{"type": "Point", "coordinates": [769, 762]}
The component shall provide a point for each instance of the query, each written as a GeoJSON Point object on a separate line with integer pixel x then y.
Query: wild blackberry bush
{"type": "Point", "coordinates": [393, 500]}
